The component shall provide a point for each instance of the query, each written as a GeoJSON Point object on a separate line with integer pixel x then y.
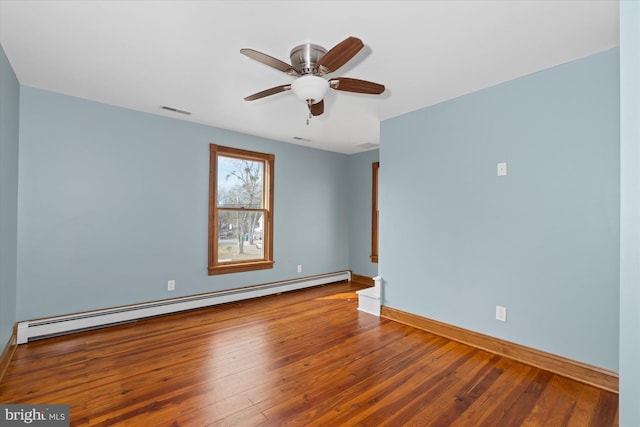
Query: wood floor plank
{"type": "Point", "coordinates": [506, 377]}
{"type": "Point", "coordinates": [328, 401]}
{"type": "Point", "coordinates": [406, 391]}
{"type": "Point", "coordinates": [305, 358]}
{"type": "Point", "coordinates": [467, 393]}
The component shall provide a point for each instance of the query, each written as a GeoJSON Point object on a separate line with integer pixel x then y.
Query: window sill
{"type": "Point", "coordinates": [240, 267]}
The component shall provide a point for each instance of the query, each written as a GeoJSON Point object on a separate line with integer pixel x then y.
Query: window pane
{"type": "Point", "coordinates": [240, 235]}
{"type": "Point", "coordinates": [239, 183]}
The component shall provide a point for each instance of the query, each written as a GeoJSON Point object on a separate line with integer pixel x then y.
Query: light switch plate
{"type": "Point", "coordinates": [502, 169]}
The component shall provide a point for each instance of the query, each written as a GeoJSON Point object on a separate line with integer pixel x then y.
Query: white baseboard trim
{"type": "Point", "coordinates": [60, 325]}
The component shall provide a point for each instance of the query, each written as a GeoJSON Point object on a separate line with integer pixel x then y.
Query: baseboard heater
{"type": "Point", "coordinates": [43, 328]}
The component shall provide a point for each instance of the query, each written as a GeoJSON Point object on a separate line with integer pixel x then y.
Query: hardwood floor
{"type": "Point", "coordinates": [304, 358]}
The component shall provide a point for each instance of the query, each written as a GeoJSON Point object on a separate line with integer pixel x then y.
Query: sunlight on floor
{"type": "Point", "coordinates": [344, 295]}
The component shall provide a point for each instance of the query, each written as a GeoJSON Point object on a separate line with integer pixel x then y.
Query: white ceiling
{"type": "Point", "coordinates": [185, 54]}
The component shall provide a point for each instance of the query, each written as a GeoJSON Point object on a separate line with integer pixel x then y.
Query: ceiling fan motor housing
{"type": "Point", "coordinates": [304, 58]}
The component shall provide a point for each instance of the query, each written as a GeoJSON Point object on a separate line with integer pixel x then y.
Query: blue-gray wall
{"type": "Point", "coordinates": [630, 213]}
{"type": "Point", "coordinates": [360, 174]}
{"type": "Point", "coordinates": [543, 241]}
{"type": "Point", "coordinates": [114, 202]}
{"type": "Point", "coordinates": [9, 108]}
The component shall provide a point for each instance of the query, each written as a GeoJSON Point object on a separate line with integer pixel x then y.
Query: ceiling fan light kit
{"type": "Point", "coordinates": [309, 63]}
{"type": "Point", "coordinates": [310, 88]}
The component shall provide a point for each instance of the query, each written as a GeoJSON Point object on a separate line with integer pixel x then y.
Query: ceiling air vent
{"type": "Point", "coordinates": [176, 110]}
{"type": "Point", "coordinates": [299, 138]}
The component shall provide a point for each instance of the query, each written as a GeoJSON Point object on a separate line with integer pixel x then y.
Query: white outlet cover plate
{"type": "Point", "coordinates": [501, 313]}
{"type": "Point", "coordinates": [502, 169]}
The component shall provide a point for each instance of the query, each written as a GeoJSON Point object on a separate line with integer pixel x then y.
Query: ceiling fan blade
{"type": "Point", "coordinates": [270, 61]}
{"type": "Point", "coordinates": [268, 92]}
{"type": "Point", "coordinates": [339, 55]}
{"type": "Point", "coordinates": [317, 108]}
{"type": "Point", "coordinates": [355, 85]}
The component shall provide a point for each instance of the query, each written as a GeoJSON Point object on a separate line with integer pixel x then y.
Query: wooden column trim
{"type": "Point", "coordinates": [582, 372]}
{"type": "Point", "coordinates": [362, 280]}
{"type": "Point", "coordinates": [374, 211]}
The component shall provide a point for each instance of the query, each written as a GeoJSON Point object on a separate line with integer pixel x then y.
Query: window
{"type": "Point", "coordinates": [374, 215]}
{"type": "Point", "coordinates": [240, 210]}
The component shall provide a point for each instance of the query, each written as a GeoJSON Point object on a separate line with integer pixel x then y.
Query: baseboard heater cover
{"type": "Point", "coordinates": [60, 325]}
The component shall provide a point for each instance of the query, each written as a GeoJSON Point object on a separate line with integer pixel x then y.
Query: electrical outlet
{"type": "Point", "coordinates": [501, 313]}
{"type": "Point", "coordinates": [502, 169]}
{"type": "Point", "coordinates": [171, 285]}
{"type": "Point", "coordinates": [299, 268]}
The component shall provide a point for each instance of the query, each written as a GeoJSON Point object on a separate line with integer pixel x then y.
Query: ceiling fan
{"type": "Point", "coordinates": [309, 63]}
